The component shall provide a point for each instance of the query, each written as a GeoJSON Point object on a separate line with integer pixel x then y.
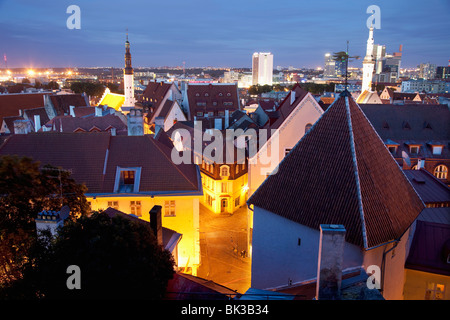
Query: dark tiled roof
{"type": "Point", "coordinates": [430, 248]}
{"type": "Point", "coordinates": [62, 102]}
{"type": "Point", "coordinates": [30, 113]}
{"type": "Point", "coordinates": [188, 287]}
{"type": "Point", "coordinates": [340, 172]}
{"type": "Point", "coordinates": [425, 122]}
{"type": "Point", "coordinates": [94, 157]}
{"type": "Point", "coordinates": [429, 188]}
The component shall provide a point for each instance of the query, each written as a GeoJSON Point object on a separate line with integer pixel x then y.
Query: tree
{"type": "Point", "coordinates": [52, 85]}
{"type": "Point", "coordinates": [118, 258]}
{"type": "Point", "coordinates": [91, 89]}
{"type": "Point", "coordinates": [25, 190]}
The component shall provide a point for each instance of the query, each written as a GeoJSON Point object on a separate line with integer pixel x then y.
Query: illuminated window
{"type": "Point", "coordinates": [169, 208]}
{"type": "Point", "coordinates": [437, 150]}
{"type": "Point", "coordinates": [113, 204]}
{"type": "Point", "coordinates": [135, 208]}
{"type": "Point", "coordinates": [224, 171]}
{"type": "Point", "coordinates": [199, 114]}
{"type": "Point", "coordinates": [237, 169]}
{"type": "Point", "coordinates": [435, 291]}
{"type": "Point", "coordinates": [210, 113]}
{"type": "Point", "coordinates": [441, 172]}
{"type": "Point", "coordinates": [127, 179]}
{"type": "Point", "coordinates": [224, 187]}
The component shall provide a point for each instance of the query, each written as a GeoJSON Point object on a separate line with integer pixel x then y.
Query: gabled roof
{"type": "Point", "coordinates": [112, 100]}
{"type": "Point", "coordinates": [155, 92]}
{"type": "Point", "coordinates": [70, 124]}
{"type": "Point", "coordinates": [62, 102]}
{"type": "Point", "coordinates": [340, 172]}
{"type": "Point", "coordinates": [285, 108]}
{"type": "Point", "coordinates": [94, 158]}
{"type": "Point", "coordinates": [212, 97]}
{"type": "Point", "coordinates": [10, 104]}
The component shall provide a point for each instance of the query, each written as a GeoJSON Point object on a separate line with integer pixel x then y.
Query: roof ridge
{"type": "Point", "coordinates": [355, 165]}
{"type": "Point", "coordinates": [171, 162]}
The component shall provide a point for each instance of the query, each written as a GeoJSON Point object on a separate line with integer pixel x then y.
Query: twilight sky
{"type": "Point", "coordinates": [221, 33]}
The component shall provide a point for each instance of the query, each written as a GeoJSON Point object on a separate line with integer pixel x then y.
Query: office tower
{"type": "Point", "coordinates": [262, 68]}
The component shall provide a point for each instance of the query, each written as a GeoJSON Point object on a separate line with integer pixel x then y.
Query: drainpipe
{"type": "Point", "coordinates": [383, 262]}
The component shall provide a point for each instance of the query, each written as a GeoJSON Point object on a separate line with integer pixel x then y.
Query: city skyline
{"type": "Point", "coordinates": [212, 33]}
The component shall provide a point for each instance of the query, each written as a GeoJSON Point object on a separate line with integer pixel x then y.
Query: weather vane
{"type": "Point", "coordinates": [344, 57]}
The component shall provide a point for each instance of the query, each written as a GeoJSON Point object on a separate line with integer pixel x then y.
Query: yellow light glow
{"type": "Point", "coordinates": [31, 72]}
{"type": "Point", "coordinates": [69, 72]}
{"type": "Point", "coordinates": [8, 71]}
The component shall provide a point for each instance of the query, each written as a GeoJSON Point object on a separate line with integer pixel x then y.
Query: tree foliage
{"type": "Point", "coordinates": [25, 190]}
{"type": "Point", "coordinates": [90, 88]}
{"type": "Point", "coordinates": [119, 259]}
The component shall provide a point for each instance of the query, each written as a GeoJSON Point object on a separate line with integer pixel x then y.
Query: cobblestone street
{"type": "Point", "coordinates": [223, 246]}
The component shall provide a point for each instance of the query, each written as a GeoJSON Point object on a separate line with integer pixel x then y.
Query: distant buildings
{"type": "Point", "coordinates": [262, 68]}
{"type": "Point", "coordinates": [428, 86]}
{"type": "Point", "coordinates": [427, 71]}
{"type": "Point", "coordinates": [443, 72]}
{"type": "Point", "coordinates": [333, 68]}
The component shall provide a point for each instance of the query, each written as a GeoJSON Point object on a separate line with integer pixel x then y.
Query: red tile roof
{"type": "Point", "coordinates": [94, 157]}
{"type": "Point", "coordinates": [212, 98]}
{"type": "Point", "coordinates": [285, 108]}
{"type": "Point", "coordinates": [155, 92]}
{"type": "Point", "coordinates": [340, 172]}
{"type": "Point", "coordinates": [10, 104]}
{"type": "Point", "coordinates": [86, 124]}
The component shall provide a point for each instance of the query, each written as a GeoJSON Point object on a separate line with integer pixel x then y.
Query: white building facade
{"type": "Point", "coordinates": [262, 68]}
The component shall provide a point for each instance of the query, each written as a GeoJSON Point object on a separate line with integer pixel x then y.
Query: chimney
{"type": "Point", "coordinates": [329, 271]}
{"type": "Point", "coordinates": [159, 124]}
{"type": "Point", "coordinates": [227, 119]}
{"type": "Point", "coordinates": [156, 223]}
{"type": "Point", "coordinates": [292, 96]}
{"type": "Point", "coordinates": [72, 110]}
{"type": "Point", "coordinates": [98, 111]}
{"type": "Point", "coordinates": [135, 122]}
{"type": "Point", "coordinates": [420, 164]}
{"type": "Point", "coordinates": [37, 122]}
{"type": "Point", "coordinates": [218, 123]}
{"type": "Point", "coordinates": [21, 126]}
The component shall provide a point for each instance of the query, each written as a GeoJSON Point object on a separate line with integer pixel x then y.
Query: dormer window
{"type": "Point", "coordinates": [414, 149]}
{"type": "Point", "coordinates": [127, 179]}
{"type": "Point", "coordinates": [437, 150]}
{"type": "Point", "coordinates": [224, 171]}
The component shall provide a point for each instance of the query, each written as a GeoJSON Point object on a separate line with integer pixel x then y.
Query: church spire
{"type": "Point", "coordinates": [128, 68]}
{"type": "Point", "coordinates": [368, 64]}
{"type": "Point", "coordinates": [128, 78]}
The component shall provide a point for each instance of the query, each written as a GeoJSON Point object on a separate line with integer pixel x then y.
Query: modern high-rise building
{"type": "Point", "coordinates": [329, 71]}
{"type": "Point", "coordinates": [262, 68]}
{"type": "Point", "coordinates": [427, 71]}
